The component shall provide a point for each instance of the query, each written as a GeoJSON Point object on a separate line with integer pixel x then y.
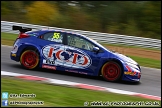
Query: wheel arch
{"type": "Point", "coordinates": [30, 47]}
{"type": "Point", "coordinates": [115, 60]}
{"type": "Point", "coordinates": [33, 48]}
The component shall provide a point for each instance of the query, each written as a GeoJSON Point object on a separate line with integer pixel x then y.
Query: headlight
{"type": "Point", "coordinates": [132, 65]}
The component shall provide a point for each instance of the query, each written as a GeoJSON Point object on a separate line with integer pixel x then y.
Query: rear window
{"type": "Point", "coordinates": [32, 33]}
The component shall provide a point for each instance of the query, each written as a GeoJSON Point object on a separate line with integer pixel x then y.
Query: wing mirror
{"type": "Point", "coordinates": [96, 49]}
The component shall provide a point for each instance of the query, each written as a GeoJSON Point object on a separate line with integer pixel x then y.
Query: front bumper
{"type": "Point", "coordinates": [131, 74]}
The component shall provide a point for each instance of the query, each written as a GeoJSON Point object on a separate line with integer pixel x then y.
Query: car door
{"type": "Point", "coordinates": [83, 58]}
{"type": "Point", "coordinates": [50, 42]}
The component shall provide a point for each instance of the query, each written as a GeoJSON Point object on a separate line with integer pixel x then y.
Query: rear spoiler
{"type": "Point", "coordinates": [21, 29]}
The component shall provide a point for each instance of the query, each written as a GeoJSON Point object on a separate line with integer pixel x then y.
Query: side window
{"type": "Point", "coordinates": [79, 42]}
{"type": "Point", "coordinates": [53, 36]}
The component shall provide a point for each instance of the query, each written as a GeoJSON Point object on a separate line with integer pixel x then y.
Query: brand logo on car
{"type": "Point", "coordinates": [65, 56]}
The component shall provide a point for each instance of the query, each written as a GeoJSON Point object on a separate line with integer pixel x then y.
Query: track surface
{"type": "Point", "coordinates": [150, 81]}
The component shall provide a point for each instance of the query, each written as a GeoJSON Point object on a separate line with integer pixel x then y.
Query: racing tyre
{"type": "Point", "coordinates": [29, 59]}
{"type": "Point", "coordinates": [111, 71]}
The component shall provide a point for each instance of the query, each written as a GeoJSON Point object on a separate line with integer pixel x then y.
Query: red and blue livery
{"type": "Point", "coordinates": [71, 52]}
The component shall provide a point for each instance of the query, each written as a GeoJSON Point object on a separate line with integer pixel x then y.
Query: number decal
{"type": "Point", "coordinates": [56, 35]}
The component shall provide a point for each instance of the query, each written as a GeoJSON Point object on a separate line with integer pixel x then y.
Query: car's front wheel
{"type": "Point", "coordinates": [29, 59]}
{"type": "Point", "coordinates": [111, 71]}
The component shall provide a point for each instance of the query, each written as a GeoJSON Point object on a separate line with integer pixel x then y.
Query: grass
{"type": "Point", "coordinates": [147, 62]}
{"type": "Point", "coordinates": [8, 39]}
{"type": "Point", "coordinates": [8, 36]}
{"type": "Point", "coordinates": [7, 42]}
{"type": "Point", "coordinates": [61, 96]}
{"type": "Point", "coordinates": [128, 46]}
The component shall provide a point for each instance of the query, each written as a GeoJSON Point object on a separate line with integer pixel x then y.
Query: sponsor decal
{"type": "Point", "coordinates": [82, 73]}
{"type": "Point", "coordinates": [71, 71]}
{"type": "Point", "coordinates": [49, 67]}
{"type": "Point", "coordinates": [48, 62]}
{"type": "Point", "coordinates": [130, 73]}
{"type": "Point", "coordinates": [76, 72]}
{"type": "Point", "coordinates": [129, 69]}
{"type": "Point", "coordinates": [65, 56]}
{"type": "Point", "coordinates": [136, 79]}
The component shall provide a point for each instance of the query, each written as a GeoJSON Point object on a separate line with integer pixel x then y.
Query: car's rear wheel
{"type": "Point", "coordinates": [111, 71]}
{"type": "Point", "coordinates": [29, 59]}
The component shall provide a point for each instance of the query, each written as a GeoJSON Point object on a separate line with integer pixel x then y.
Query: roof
{"type": "Point", "coordinates": [46, 30]}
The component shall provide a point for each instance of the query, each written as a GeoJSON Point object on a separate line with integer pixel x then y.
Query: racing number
{"type": "Point", "coordinates": [56, 35]}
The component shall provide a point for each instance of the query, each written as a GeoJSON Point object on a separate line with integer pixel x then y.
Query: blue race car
{"type": "Point", "coordinates": [71, 52]}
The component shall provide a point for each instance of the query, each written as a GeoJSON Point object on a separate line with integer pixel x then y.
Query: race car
{"type": "Point", "coordinates": [71, 52]}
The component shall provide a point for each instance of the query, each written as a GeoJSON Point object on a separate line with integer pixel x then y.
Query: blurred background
{"type": "Point", "coordinates": [136, 18]}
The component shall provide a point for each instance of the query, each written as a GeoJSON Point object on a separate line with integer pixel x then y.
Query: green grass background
{"type": "Point", "coordinates": [62, 96]}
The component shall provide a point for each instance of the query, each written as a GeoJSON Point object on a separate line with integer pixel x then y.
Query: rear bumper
{"type": "Point", "coordinates": [14, 57]}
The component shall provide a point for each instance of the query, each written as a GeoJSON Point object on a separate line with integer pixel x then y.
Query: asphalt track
{"type": "Point", "coordinates": [150, 82]}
